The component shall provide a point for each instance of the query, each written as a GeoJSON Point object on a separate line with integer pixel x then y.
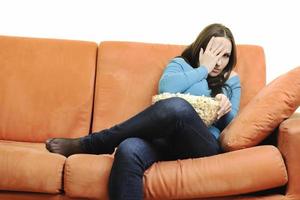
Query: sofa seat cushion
{"type": "Point", "coordinates": [30, 167]}
{"type": "Point", "coordinates": [86, 176]}
{"type": "Point", "coordinates": [10, 195]}
{"type": "Point", "coordinates": [232, 173]}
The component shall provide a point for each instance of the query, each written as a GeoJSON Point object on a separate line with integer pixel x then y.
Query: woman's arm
{"type": "Point", "coordinates": [235, 85]}
{"type": "Point", "coordinates": [179, 76]}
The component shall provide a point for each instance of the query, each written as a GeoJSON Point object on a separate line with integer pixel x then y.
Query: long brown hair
{"type": "Point", "coordinates": [191, 55]}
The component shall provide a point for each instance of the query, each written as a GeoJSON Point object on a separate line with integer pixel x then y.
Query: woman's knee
{"type": "Point", "coordinates": [177, 107]}
{"type": "Point", "coordinates": [136, 151]}
{"type": "Point", "coordinates": [129, 147]}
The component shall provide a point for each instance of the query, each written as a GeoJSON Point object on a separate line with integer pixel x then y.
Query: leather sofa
{"type": "Point", "coordinates": [64, 88]}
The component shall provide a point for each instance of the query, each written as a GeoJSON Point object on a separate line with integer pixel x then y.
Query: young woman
{"type": "Point", "coordinates": [170, 129]}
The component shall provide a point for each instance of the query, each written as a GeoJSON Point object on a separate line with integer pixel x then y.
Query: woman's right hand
{"type": "Point", "coordinates": [213, 52]}
{"type": "Point", "coordinates": [225, 105]}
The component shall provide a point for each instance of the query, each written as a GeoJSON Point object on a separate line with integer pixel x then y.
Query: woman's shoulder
{"type": "Point", "coordinates": [178, 60]}
{"type": "Point", "coordinates": [233, 74]}
{"type": "Point", "coordinates": [233, 79]}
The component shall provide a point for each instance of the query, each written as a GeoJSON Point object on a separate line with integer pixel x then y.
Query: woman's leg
{"type": "Point", "coordinates": [132, 158]}
{"type": "Point", "coordinates": [193, 142]}
{"type": "Point", "coordinates": [135, 155]}
{"type": "Point", "coordinates": [164, 119]}
{"type": "Point", "coordinates": [173, 122]}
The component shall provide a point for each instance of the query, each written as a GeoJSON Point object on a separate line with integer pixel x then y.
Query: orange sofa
{"type": "Point", "coordinates": [63, 88]}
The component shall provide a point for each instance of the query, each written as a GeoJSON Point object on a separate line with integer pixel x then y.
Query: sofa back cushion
{"type": "Point", "coordinates": [46, 88]}
{"type": "Point", "coordinates": [128, 75]}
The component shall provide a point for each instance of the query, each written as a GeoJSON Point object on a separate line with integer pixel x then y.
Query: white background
{"type": "Point", "coordinates": [275, 25]}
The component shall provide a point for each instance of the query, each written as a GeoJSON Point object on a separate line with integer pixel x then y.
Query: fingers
{"type": "Point", "coordinates": [225, 105]}
{"type": "Point", "coordinates": [215, 47]}
{"type": "Point", "coordinates": [223, 51]}
{"type": "Point", "coordinates": [223, 111]}
{"type": "Point", "coordinates": [201, 53]}
{"type": "Point", "coordinates": [224, 108]}
{"type": "Point", "coordinates": [214, 50]}
{"type": "Point", "coordinates": [210, 43]}
{"type": "Point", "coordinates": [219, 49]}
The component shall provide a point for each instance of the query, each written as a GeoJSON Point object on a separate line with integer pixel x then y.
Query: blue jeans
{"type": "Point", "coordinates": [168, 130]}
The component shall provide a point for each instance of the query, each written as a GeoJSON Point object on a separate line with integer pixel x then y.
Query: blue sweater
{"type": "Point", "coordinates": [181, 77]}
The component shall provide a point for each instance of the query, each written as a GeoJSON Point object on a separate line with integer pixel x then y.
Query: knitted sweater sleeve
{"type": "Point", "coordinates": [177, 77]}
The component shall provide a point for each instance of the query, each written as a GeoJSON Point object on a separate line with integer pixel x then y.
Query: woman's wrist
{"type": "Point", "coordinates": [203, 70]}
{"type": "Point", "coordinates": [207, 68]}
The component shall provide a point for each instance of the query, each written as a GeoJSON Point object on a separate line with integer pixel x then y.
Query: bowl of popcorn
{"type": "Point", "coordinates": [206, 107]}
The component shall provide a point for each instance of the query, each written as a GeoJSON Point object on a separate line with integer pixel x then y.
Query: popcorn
{"type": "Point", "coordinates": [206, 107]}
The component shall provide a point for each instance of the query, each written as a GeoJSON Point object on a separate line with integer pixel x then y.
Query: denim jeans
{"type": "Point", "coordinates": [168, 130]}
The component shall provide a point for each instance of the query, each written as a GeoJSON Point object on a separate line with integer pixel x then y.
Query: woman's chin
{"type": "Point", "coordinates": [212, 74]}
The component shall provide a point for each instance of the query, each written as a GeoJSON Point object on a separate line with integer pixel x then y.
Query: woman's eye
{"type": "Point", "coordinates": [226, 55]}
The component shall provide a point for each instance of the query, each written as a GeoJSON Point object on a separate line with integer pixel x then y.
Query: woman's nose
{"type": "Point", "coordinates": [219, 62]}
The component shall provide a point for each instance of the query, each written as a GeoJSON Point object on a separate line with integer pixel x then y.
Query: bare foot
{"type": "Point", "coordinates": [64, 146]}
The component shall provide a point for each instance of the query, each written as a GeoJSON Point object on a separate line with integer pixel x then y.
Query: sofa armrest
{"type": "Point", "coordinates": [289, 146]}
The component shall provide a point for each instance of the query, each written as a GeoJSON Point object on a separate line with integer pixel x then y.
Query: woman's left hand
{"type": "Point", "coordinates": [225, 105]}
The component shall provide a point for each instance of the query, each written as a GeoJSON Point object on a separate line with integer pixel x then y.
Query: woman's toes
{"type": "Point", "coordinates": [64, 146]}
{"type": "Point", "coordinates": [48, 142]}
